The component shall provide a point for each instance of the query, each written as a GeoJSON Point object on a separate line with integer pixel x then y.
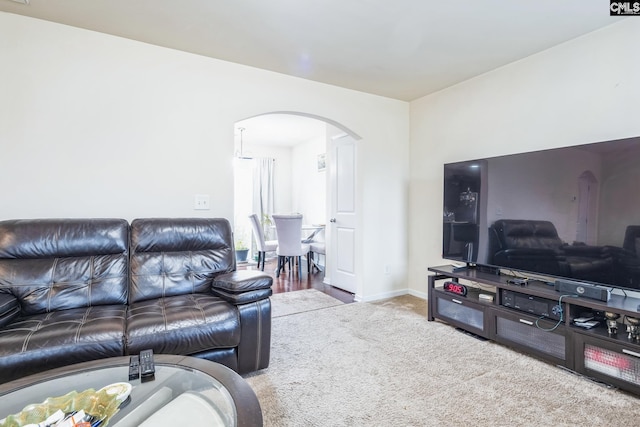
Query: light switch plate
{"type": "Point", "coordinates": [201, 202]}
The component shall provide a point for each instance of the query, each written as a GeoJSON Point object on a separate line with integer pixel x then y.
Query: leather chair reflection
{"type": "Point", "coordinates": [534, 245]}
{"type": "Point", "coordinates": [290, 247]}
{"type": "Point", "coordinates": [632, 240]}
{"type": "Point", "coordinates": [627, 258]}
{"type": "Point", "coordinates": [263, 246]}
{"type": "Point", "coordinates": [467, 234]}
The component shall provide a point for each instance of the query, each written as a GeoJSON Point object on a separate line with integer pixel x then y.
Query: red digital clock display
{"type": "Point", "coordinates": [455, 288]}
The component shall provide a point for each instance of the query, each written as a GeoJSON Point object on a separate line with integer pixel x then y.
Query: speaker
{"type": "Point", "coordinates": [583, 290]}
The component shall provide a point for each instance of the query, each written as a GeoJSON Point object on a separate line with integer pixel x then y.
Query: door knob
{"type": "Point", "coordinates": [332, 220]}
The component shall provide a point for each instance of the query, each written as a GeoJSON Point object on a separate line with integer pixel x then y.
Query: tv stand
{"type": "Point", "coordinates": [488, 311]}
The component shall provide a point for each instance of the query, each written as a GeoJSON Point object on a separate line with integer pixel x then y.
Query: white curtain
{"type": "Point", "coordinates": [263, 188]}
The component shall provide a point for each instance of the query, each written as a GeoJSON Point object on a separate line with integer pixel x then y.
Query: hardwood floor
{"type": "Point", "coordinates": [289, 281]}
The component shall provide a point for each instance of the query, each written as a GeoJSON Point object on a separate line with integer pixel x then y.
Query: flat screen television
{"type": "Point", "coordinates": [571, 213]}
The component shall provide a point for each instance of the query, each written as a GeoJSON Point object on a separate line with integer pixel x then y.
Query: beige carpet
{"type": "Point", "coordinates": [289, 303]}
{"type": "Point", "coordinates": [383, 364]}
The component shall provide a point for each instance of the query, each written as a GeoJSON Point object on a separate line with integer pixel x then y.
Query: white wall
{"type": "Point", "coordinates": [95, 125]}
{"type": "Point", "coordinates": [299, 186]}
{"type": "Point", "coordinates": [309, 186]}
{"type": "Point", "coordinates": [582, 91]}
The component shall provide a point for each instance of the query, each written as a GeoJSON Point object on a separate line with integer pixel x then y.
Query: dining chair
{"type": "Point", "coordinates": [290, 246]}
{"type": "Point", "coordinates": [316, 248]}
{"type": "Point", "coordinates": [262, 245]}
{"type": "Point", "coordinates": [316, 243]}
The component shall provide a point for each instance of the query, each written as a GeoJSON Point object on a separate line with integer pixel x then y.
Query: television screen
{"type": "Point", "coordinates": [570, 212]}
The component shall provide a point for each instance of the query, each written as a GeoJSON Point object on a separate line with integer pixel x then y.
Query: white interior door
{"type": "Point", "coordinates": [342, 223]}
{"type": "Point", "coordinates": [587, 208]}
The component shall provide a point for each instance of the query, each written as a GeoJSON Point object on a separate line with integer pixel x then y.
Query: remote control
{"type": "Point", "coordinates": [134, 368]}
{"type": "Point", "coordinates": [147, 367]}
{"type": "Point", "coordinates": [587, 325]}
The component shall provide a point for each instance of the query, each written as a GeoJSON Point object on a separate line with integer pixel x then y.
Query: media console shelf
{"type": "Point", "coordinates": [510, 314]}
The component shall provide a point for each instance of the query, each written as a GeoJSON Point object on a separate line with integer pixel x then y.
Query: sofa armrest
{"type": "Point", "coordinates": [243, 286]}
{"type": "Point", "coordinates": [585, 251]}
{"type": "Point", "coordinates": [530, 253]}
{"type": "Point", "coordinates": [544, 261]}
{"type": "Point", "coordinates": [9, 309]}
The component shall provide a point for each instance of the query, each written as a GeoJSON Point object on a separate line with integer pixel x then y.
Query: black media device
{"type": "Point", "coordinates": [147, 366]}
{"type": "Point", "coordinates": [134, 368]}
{"type": "Point", "coordinates": [531, 304]}
{"type": "Point", "coordinates": [567, 213]}
{"type": "Point", "coordinates": [583, 290]}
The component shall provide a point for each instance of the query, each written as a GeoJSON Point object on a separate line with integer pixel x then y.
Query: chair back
{"type": "Point", "coordinates": [289, 229]}
{"type": "Point", "coordinates": [632, 239]}
{"type": "Point", "coordinates": [257, 232]}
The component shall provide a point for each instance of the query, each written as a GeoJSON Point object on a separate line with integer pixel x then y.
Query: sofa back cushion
{"type": "Point", "coordinates": [57, 264]}
{"type": "Point", "coordinates": [177, 256]}
{"type": "Point", "coordinates": [527, 234]}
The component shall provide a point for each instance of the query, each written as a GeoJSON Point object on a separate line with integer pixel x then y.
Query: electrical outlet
{"type": "Point", "coordinates": [201, 202]}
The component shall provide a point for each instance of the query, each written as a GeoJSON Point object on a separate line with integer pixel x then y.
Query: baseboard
{"type": "Point", "coordinates": [422, 295]}
{"type": "Point", "coordinates": [393, 294]}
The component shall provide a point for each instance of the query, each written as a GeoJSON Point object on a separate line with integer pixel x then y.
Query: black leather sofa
{"type": "Point", "coordinates": [73, 290]}
{"type": "Point", "coordinates": [534, 245]}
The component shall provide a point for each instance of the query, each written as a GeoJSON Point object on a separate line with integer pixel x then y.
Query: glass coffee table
{"type": "Point", "coordinates": [185, 390]}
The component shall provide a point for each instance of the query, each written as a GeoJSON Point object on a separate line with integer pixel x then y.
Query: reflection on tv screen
{"type": "Point", "coordinates": [570, 212]}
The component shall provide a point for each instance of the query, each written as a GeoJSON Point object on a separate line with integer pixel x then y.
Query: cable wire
{"type": "Point", "coordinates": [553, 328]}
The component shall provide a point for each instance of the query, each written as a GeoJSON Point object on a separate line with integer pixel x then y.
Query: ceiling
{"type": "Point", "coordinates": [402, 49]}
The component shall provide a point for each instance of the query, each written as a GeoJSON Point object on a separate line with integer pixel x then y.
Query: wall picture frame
{"type": "Point", "coordinates": [322, 162]}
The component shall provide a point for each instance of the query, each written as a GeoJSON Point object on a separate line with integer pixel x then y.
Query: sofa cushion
{"type": "Point", "coordinates": [61, 338]}
{"type": "Point", "coordinates": [59, 264]}
{"type": "Point", "coordinates": [66, 237]}
{"type": "Point", "coordinates": [182, 324]}
{"type": "Point", "coordinates": [523, 234]}
{"type": "Point", "coordinates": [44, 285]}
{"type": "Point", "coordinates": [9, 309]}
{"type": "Point", "coordinates": [172, 257]}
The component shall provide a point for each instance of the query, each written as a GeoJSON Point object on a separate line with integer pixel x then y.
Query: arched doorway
{"type": "Point", "coordinates": [301, 149]}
